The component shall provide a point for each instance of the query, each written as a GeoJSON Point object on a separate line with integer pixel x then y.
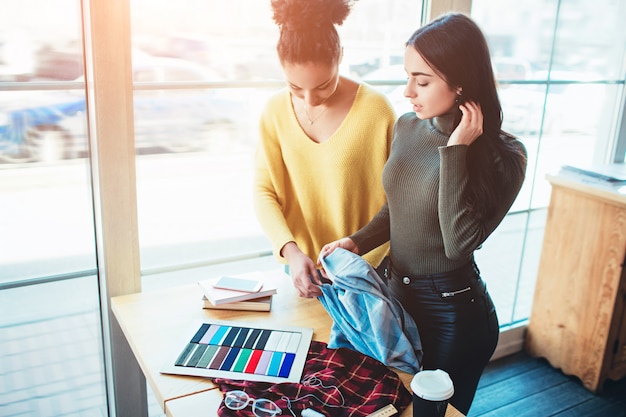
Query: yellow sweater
{"type": "Point", "coordinates": [313, 193]}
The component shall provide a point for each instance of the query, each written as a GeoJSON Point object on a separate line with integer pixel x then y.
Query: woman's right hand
{"type": "Point", "coordinates": [470, 127]}
{"type": "Point", "coordinates": [303, 271]}
{"type": "Point", "coordinates": [344, 243]}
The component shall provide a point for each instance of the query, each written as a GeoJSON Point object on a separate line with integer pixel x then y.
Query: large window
{"type": "Point", "coordinates": [560, 85]}
{"type": "Point", "coordinates": [51, 351]}
{"type": "Point", "coordinates": [560, 66]}
{"type": "Point", "coordinates": [218, 65]}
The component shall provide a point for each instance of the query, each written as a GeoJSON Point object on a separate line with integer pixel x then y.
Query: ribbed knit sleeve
{"type": "Point", "coordinates": [375, 233]}
{"type": "Point", "coordinates": [270, 183]}
{"type": "Point", "coordinates": [460, 232]}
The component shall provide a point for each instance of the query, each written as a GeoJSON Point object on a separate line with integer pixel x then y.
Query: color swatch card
{"type": "Point", "coordinates": [236, 350]}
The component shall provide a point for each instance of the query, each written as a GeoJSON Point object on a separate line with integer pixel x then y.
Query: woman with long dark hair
{"type": "Point", "coordinates": [451, 178]}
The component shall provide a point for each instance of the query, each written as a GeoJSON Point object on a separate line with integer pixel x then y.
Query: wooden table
{"type": "Point", "coordinates": [155, 322]}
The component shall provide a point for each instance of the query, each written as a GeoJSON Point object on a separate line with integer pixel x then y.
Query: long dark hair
{"type": "Point", "coordinates": [455, 47]}
{"type": "Point", "coordinates": [307, 29]}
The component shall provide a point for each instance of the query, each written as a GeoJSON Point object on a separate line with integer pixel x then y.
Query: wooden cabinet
{"type": "Point", "coordinates": [578, 318]}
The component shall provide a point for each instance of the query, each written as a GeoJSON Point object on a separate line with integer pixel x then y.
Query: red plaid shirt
{"type": "Point", "coordinates": [365, 383]}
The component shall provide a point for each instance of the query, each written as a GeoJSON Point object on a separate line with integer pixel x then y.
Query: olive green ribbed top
{"type": "Point", "coordinates": [425, 216]}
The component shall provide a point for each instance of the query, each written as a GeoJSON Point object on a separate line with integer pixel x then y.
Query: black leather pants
{"type": "Point", "coordinates": [457, 324]}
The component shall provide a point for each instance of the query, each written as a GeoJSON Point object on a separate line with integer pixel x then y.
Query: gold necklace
{"type": "Point", "coordinates": [312, 120]}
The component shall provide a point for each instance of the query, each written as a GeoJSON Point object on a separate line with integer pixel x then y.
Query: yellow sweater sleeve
{"type": "Point", "coordinates": [313, 193]}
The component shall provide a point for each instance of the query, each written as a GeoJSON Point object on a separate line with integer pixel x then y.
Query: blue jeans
{"type": "Point", "coordinates": [457, 323]}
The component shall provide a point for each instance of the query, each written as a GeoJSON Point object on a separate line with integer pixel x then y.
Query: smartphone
{"type": "Point", "coordinates": [238, 284]}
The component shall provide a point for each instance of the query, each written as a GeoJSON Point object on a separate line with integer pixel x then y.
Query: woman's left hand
{"type": "Point", "coordinates": [470, 127]}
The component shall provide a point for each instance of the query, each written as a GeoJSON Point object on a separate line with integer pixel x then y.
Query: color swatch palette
{"type": "Point", "coordinates": [244, 351]}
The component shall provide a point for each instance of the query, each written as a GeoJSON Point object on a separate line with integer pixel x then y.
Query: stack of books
{"type": "Point", "coordinates": [216, 297]}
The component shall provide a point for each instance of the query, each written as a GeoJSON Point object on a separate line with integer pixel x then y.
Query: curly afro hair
{"type": "Point", "coordinates": [307, 29]}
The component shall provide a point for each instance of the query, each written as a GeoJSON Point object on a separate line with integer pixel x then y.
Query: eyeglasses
{"type": "Point", "coordinates": [238, 400]}
{"type": "Point", "coordinates": [262, 407]}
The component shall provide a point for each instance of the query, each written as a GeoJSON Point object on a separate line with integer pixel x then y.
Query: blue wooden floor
{"type": "Point", "coordinates": [520, 385]}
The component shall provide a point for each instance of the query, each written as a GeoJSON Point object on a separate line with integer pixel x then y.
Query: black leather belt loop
{"type": "Point", "coordinates": [467, 269]}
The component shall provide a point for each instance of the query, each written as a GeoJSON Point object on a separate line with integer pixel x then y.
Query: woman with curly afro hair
{"type": "Point", "coordinates": [324, 140]}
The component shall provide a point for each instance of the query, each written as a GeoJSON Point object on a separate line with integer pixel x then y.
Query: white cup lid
{"type": "Point", "coordinates": [432, 385]}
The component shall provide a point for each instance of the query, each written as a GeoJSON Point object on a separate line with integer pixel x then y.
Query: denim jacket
{"type": "Point", "coordinates": [366, 317]}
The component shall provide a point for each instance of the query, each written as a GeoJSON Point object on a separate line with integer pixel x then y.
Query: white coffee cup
{"type": "Point", "coordinates": [431, 392]}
